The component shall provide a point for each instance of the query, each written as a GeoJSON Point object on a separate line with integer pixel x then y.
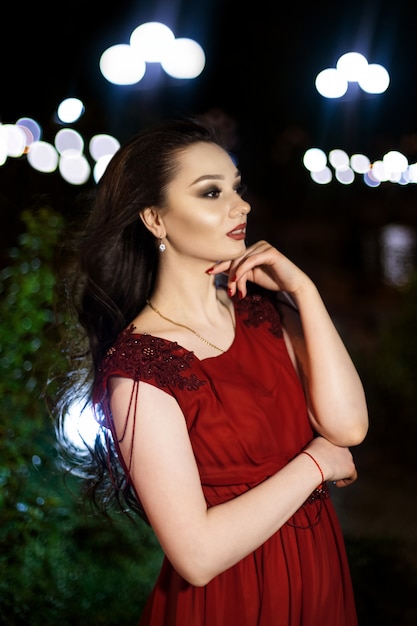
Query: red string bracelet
{"type": "Point", "coordinates": [314, 460]}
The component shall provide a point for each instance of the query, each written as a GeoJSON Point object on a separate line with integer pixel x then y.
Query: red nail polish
{"type": "Point", "coordinates": [234, 278]}
{"type": "Point", "coordinates": [209, 271]}
{"type": "Point", "coordinates": [229, 292]}
{"type": "Point", "coordinates": [240, 295]}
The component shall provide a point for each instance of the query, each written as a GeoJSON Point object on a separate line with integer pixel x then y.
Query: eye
{"type": "Point", "coordinates": [213, 192]}
{"type": "Point", "coordinates": [241, 189]}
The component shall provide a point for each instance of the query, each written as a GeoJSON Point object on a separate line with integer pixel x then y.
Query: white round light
{"type": "Point", "coordinates": [120, 65]}
{"type": "Point", "coordinates": [184, 58]}
{"type": "Point", "coordinates": [15, 139]}
{"type": "Point", "coordinates": [70, 110]}
{"type": "Point", "coordinates": [360, 163]}
{"type": "Point", "coordinates": [100, 166]}
{"type": "Point", "coordinates": [151, 41]}
{"type": "Point", "coordinates": [331, 84]}
{"type": "Point", "coordinates": [74, 168]}
{"type": "Point", "coordinates": [314, 159]}
{"type": "Point", "coordinates": [69, 139]}
{"type": "Point", "coordinates": [375, 80]}
{"type": "Point", "coordinates": [323, 177]}
{"type": "Point", "coordinates": [395, 162]}
{"type": "Point", "coordinates": [345, 175]}
{"type": "Point", "coordinates": [103, 145]}
{"type": "Point", "coordinates": [338, 158]}
{"type": "Point", "coordinates": [43, 157]}
{"type": "Point", "coordinates": [352, 66]}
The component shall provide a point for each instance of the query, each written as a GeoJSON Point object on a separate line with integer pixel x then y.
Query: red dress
{"type": "Point", "coordinates": [246, 416]}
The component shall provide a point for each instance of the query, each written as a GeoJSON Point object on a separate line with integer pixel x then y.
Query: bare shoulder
{"type": "Point", "coordinates": [147, 323]}
{"type": "Point", "coordinates": [144, 322]}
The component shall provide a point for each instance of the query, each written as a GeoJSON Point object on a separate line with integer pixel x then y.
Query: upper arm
{"type": "Point", "coordinates": [296, 347]}
{"type": "Point", "coordinates": [163, 469]}
{"type": "Point", "coordinates": [334, 394]}
{"type": "Point", "coordinates": [294, 338]}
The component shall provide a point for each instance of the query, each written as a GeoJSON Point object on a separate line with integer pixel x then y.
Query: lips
{"type": "Point", "coordinates": [238, 233]}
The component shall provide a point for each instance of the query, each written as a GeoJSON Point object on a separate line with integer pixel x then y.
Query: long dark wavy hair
{"type": "Point", "coordinates": [108, 264]}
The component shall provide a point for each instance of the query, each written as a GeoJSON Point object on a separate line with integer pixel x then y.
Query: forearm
{"type": "Point", "coordinates": [230, 531]}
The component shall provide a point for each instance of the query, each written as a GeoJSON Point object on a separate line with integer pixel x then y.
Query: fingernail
{"type": "Point", "coordinates": [234, 278]}
{"type": "Point", "coordinates": [210, 270]}
{"type": "Point", "coordinates": [240, 295]}
{"type": "Point", "coordinates": [229, 292]}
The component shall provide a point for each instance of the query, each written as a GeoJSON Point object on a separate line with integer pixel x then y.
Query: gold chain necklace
{"type": "Point", "coordinates": [167, 319]}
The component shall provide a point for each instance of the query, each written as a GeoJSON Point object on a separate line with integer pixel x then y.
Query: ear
{"type": "Point", "coordinates": [153, 221]}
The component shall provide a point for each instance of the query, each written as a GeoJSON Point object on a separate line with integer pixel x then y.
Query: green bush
{"type": "Point", "coordinates": [60, 563]}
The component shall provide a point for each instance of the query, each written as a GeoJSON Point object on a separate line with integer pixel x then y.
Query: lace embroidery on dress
{"type": "Point", "coordinates": [144, 357]}
{"type": "Point", "coordinates": [257, 311]}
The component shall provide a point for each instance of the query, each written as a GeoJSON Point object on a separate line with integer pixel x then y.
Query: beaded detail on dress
{"type": "Point", "coordinates": [152, 358]}
{"type": "Point", "coordinates": [142, 355]}
{"type": "Point", "coordinates": [321, 493]}
{"type": "Point", "coordinates": [256, 313]}
{"type": "Point", "coordinates": [312, 513]}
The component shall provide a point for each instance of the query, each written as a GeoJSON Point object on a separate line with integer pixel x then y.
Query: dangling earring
{"type": "Point", "coordinates": [162, 246]}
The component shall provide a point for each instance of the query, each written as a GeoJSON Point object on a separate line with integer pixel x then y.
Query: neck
{"type": "Point", "coordinates": [187, 292]}
{"type": "Point", "coordinates": [197, 326]}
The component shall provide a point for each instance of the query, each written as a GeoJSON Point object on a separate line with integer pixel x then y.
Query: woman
{"type": "Point", "coordinates": [229, 395]}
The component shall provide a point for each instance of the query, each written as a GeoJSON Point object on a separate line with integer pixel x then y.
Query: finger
{"type": "Point", "coordinates": [221, 267]}
{"type": "Point", "coordinates": [345, 482]}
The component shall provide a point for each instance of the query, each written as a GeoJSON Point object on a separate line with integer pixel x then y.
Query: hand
{"type": "Point", "coordinates": [263, 265]}
{"type": "Point", "coordinates": [336, 462]}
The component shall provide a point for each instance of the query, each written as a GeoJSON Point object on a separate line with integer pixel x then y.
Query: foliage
{"type": "Point", "coordinates": [399, 349]}
{"type": "Point", "coordinates": [63, 565]}
{"type": "Point", "coordinates": [391, 374]}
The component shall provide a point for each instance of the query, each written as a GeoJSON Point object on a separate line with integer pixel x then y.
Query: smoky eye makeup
{"type": "Point", "coordinates": [241, 189]}
{"type": "Point", "coordinates": [211, 192]}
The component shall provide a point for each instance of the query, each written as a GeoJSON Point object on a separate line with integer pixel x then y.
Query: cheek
{"type": "Point", "coordinates": [195, 220]}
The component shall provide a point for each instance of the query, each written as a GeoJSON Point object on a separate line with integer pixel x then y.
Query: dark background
{"type": "Point", "coordinates": [262, 59]}
{"type": "Point", "coordinates": [258, 83]}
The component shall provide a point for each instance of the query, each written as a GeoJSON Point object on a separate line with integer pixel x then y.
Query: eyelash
{"type": "Point", "coordinates": [240, 190]}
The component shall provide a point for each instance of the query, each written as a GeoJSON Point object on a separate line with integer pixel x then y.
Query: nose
{"type": "Point", "coordinates": [241, 207]}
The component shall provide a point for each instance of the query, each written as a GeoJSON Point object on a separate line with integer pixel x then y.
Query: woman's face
{"type": "Point", "coordinates": [205, 214]}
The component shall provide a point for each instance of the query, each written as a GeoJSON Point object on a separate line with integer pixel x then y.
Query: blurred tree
{"type": "Point", "coordinates": [63, 565]}
{"type": "Point", "coordinates": [59, 564]}
{"type": "Point", "coordinates": [391, 375]}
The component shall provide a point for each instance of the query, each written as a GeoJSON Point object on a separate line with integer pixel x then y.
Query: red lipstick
{"type": "Point", "coordinates": [238, 233]}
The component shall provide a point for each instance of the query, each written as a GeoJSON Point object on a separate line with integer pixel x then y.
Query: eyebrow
{"type": "Point", "coordinates": [212, 177]}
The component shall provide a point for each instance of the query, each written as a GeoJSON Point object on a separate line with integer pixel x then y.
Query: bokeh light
{"type": "Point", "coordinates": [70, 110]}
{"type": "Point", "coordinates": [315, 159]}
{"type": "Point", "coordinates": [120, 65]}
{"type": "Point", "coordinates": [185, 58]}
{"type": "Point", "coordinates": [74, 168]}
{"type": "Point", "coordinates": [80, 426]}
{"type": "Point", "coordinates": [14, 138]}
{"type": "Point", "coordinates": [151, 41]}
{"type": "Point", "coordinates": [69, 140]}
{"type": "Point", "coordinates": [103, 145]}
{"type": "Point", "coordinates": [352, 67]}
{"type": "Point", "coordinates": [43, 157]}
{"type": "Point", "coordinates": [331, 84]}
{"type": "Point", "coordinates": [376, 79]}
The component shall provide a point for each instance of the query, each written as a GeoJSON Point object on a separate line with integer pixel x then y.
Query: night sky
{"type": "Point", "coordinates": [261, 65]}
